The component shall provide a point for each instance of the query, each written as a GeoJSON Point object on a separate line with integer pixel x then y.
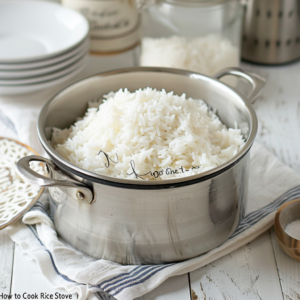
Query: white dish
{"type": "Point", "coordinates": [38, 79]}
{"type": "Point", "coordinates": [24, 89]}
{"type": "Point", "coordinates": [36, 30]}
{"type": "Point", "coordinates": [26, 74]}
{"type": "Point", "coordinates": [47, 62]}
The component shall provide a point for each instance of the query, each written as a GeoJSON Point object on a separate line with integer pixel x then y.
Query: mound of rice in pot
{"type": "Point", "coordinates": [148, 135]}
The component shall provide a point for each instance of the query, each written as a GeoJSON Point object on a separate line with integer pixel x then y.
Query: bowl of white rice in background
{"type": "Point", "coordinates": [147, 165]}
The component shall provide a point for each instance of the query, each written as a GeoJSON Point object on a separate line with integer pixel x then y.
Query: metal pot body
{"type": "Point", "coordinates": [146, 222]}
{"type": "Point", "coordinates": [133, 226]}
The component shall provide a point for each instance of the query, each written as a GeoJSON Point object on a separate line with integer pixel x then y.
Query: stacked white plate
{"type": "Point", "coordinates": [41, 44]}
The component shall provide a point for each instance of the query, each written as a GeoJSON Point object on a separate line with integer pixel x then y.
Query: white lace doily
{"type": "Point", "coordinates": [16, 196]}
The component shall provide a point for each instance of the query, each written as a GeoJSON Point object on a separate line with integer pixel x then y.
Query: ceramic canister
{"type": "Point", "coordinates": [115, 24]}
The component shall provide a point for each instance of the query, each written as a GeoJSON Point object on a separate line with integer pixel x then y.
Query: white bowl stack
{"type": "Point", "coordinates": [41, 44]}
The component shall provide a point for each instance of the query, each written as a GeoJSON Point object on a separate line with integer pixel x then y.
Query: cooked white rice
{"type": "Point", "coordinates": [153, 132]}
{"type": "Point", "coordinates": [207, 55]}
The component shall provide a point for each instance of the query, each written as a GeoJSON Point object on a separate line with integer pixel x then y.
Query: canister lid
{"type": "Point", "coordinates": [16, 196]}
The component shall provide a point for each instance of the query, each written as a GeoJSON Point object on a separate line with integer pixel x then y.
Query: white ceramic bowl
{"type": "Point", "coordinates": [29, 88]}
{"type": "Point", "coordinates": [47, 62]}
{"type": "Point", "coordinates": [50, 76]}
{"type": "Point", "coordinates": [36, 30]}
{"type": "Point", "coordinates": [26, 74]}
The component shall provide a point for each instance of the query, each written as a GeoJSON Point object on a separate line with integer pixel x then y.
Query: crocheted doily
{"type": "Point", "coordinates": [16, 196]}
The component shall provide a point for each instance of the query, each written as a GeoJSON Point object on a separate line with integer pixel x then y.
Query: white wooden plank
{"type": "Point", "coordinates": [248, 273]}
{"type": "Point", "coordinates": [6, 262]}
{"type": "Point", "coordinates": [289, 271]}
{"type": "Point", "coordinates": [27, 278]}
{"type": "Point", "coordinates": [174, 288]}
{"type": "Point", "coordinates": [278, 111]}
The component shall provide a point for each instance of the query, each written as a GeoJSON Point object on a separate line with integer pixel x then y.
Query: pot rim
{"type": "Point", "coordinates": [135, 183]}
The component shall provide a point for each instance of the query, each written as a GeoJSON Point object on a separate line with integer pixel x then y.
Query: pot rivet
{"type": "Point", "coordinates": [80, 196]}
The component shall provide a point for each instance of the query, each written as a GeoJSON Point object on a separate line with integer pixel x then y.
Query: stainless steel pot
{"type": "Point", "coordinates": [145, 222]}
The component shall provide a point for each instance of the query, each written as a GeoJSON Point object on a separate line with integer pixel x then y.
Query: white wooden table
{"type": "Point", "coordinates": [260, 269]}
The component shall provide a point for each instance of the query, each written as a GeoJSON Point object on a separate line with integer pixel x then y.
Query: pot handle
{"type": "Point", "coordinates": [71, 187]}
{"type": "Point", "coordinates": [255, 80]}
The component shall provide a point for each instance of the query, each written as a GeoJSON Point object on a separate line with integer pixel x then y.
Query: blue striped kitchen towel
{"type": "Point", "coordinates": [7, 128]}
{"type": "Point", "coordinates": [271, 184]}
